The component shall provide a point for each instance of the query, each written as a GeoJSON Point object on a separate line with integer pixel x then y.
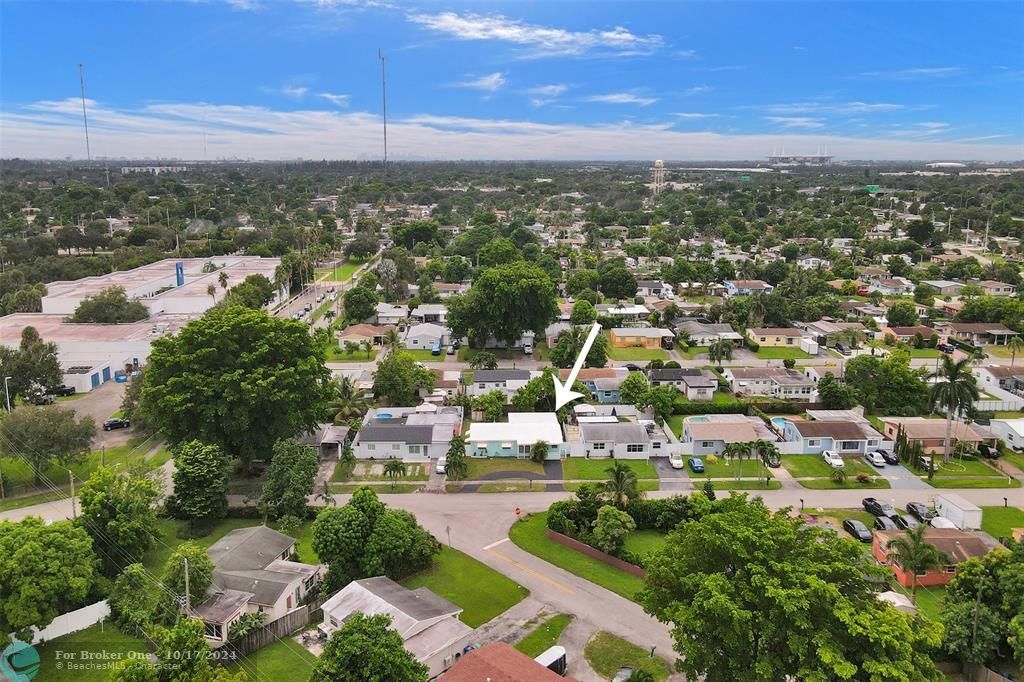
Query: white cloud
{"type": "Point", "coordinates": [553, 90]}
{"type": "Point", "coordinates": [622, 98]}
{"type": "Point", "coordinates": [52, 129]}
{"type": "Point", "coordinates": [915, 74]}
{"type": "Point", "coordinates": [539, 41]}
{"type": "Point", "coordinates": [492, 82]}
{"type": "Point", "coordinates": [696, 90]}
{"type": "Point", "coordinates": [244, 5]}
{"type": "Point", "coordinates": [691, 115]}
{"type": "Point", "coordinates": [796, 121]}
{"type": "Point", "coordinates": [831, 107]}
{"type": "Point", "coordinates": [293, 91]}
{"type": "Point", "coordinates": [336, 100]}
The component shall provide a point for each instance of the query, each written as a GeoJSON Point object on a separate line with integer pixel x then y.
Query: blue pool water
{"type": "Point", "coordinates": [697, 419]}
{"type": "Point", "coordinates": [780, 422]}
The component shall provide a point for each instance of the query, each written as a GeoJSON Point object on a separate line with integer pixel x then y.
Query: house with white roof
{"type": "Point", "coordinates": [424, 336]}
{"type": "Point", "coordinates": [516, 437]}
{"type": "Point", "coordinates": [508, 381]}
{"type": "Point", "coordinates": [391, 314]}
{"type": "Point", "coordinates": [608, 437]}
{"type": "Point", "coordinates": [708, 434]}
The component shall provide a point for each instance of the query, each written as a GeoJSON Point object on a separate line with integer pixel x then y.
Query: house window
{"type": "Point", "coordinates": [481, 386]}
{"type": "Point", "coordinates": [707, 443]}
{"type": "Point", "coordinates": [414, 449]}
{"type": "Point", "coordinates": [762, 339]}
{"type": "Point", "coordinates": [789, 341]}
{"type": "Point", "coordinates": [950, 569]}
{"type": "Point", "coordinates": [598, 446]}
{"type": "Point", "coordinates": [309, 582]}
{"type": "Point", "coordinates": [813, 442]}
{"type": "Point", "coordinates": [635, 447]}
{"type": "Point", "coordinates": [848, 445]}
{"type": "Point", "coordinates": [396, 446]}
{"type": "Point", "coordinates": [371, 446]}
{"type": "Point", "coordinates": [212, 630]}
{"type": "Point", "coordinates": [656, 445]}
{"type": "Point", "coordinates": [334, 622]}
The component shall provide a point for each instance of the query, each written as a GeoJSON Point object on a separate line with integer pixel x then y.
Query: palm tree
{"type": "Point", "coordinates": [394, 469]}
{"type": "Point", "coordinates": [954, 391]}
{"type": "Point", "coordinates": [223, 279]}
{"type": "Point", "coordinates": [347, 404]}
{"type": "Point", "coordinates": [1015, 345]}
{"type": "Point", "coordinates": [916, 555]}
{"type": "Point", "coordinates": [743, 451]}
{"type": "Point", "coordinates": [391, 339]}
{"type": "Point", "coordinates": [329, 315]}
{"type": "Point", "coordinates": [211, 291]}
{"type": "Point", "coordinates": [758, 309]}
{"type": "Point", "coordinates": [764, 451]}
{"type": "Point", "coordinates": [747, 269]}
{"type": "Point", "coordinates": [456, 467]}
{"type": "Point", "coordinates": [732, 452]}
{"type": "Point", "coordinates": [720, 350]}
{"type": "Point", "coordinates": [621, 485]}
{"type": "Point", "coordinates": [367, 345]}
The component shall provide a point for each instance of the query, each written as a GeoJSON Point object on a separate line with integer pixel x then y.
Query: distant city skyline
{"type": "Point", "coordinates": [253, 79]}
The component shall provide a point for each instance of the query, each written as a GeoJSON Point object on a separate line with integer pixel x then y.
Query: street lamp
{"type": "Point", "coordinates": [7, 392]}
{"type": "Point", "coordinates": [801, 504]}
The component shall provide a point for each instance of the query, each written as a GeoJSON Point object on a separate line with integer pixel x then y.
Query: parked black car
{"type": "Point", "coordinates": [920, 511]}
{"type": "Point", "coordinates": [633, 368]}
{"type": "Point", "coordinates": [116, 423]}
{"type": "Point", "coordinates": [43, 399]}
{"type": "Point", "coordinates": [905, 522]}
{"type": "Point", "coordinates": [944, 348]}
{"type": "Point", "coordinates": [878, 507]}
{"type": "Point", "coordinates": [63, 390]}
{"type": "Point", "coordinates": [885, 523]}
{"type": "Point", "coordinates": [983, 449]}
{"type": "Point", "coordinates": [889, 456]}
{"type": "Point", "coordinates": [857, 530]}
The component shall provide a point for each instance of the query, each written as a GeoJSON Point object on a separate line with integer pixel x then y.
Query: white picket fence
{"type": "Point", "coordinates": [73, 621]}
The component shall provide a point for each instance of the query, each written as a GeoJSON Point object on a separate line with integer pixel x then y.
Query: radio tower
{"type": "Point", "coordinates": [384, 97]}
{"type": "Point", "coordinates": [659, 177]}
{"type": "Point", "coordinates": [85, 119]}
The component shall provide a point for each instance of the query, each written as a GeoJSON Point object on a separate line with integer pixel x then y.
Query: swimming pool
{"type": "Point", "coordinates": [696, 420]}
{"type": "Point", "coordinates": [780, 423]}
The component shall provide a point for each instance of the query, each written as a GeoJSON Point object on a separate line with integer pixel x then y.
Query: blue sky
{"type": "Point", "coordinates": [576, 80]}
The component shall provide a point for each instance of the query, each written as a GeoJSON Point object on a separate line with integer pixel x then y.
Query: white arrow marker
{"type": "Point", "coordinates": [563, 394]}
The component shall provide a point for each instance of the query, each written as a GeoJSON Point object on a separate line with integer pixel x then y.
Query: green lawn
{"type": "Point", "coordinates": [512, 487]}
{"type": "Point", "coordinates": [982, 482]}
{"type": "Point", "coordinates": [814, 466]}
{"type": "Point", "coordinates": [1000, 521]}
{"type": "Point", "coordinates": [362, 471]}
{"type": "Point", "coordinates": [481, 466]}
{"type": "Point", "coordinates": [644, 484]}
{"type": "Point", "coordinates": [723, 469]}
{"type": "Point", "coordinates": [424, 355]}
{"type": "Point", "coordinates": [574, 468]}
{"type": "Point", "coordinates": [782, 353]}
{"type": "Point", "coordinates": [530, 534]}
{"type": "Point", "coordinates": [18, 475]}
{"type": "Point", "coordinates": [968, 467]}
{"type": "Point", "coordinates": [837, 516]}
{"type": "Point", "coordinates": [929, 600]}
{"type": "Point", "coordinates": [924, 353]}
{"type": "Point", "coordinates": [636, 354]}
{"type": "Point", "coordinates": [540, 353]}
{"type": "Point", "coordinates": [285, 659]}
{"type": "Point", "coordinates": [1015, 458]}
{"type": "Point", "coordinates": [335, 353]}
{"type": "Point", "coordinates": [544, 637]}
{"type": "Point", "coordinates": [99, 638]}
{"type": "Point", "coordinates": [642, 542]}
{"type": "Point", "coordinates": [850, 482]}
{"type": "Point", "coordinates": [338, 273]}
{"type": "Point", "coordinates": [30, 500]}
{"type": "Point", "coordinates": [691, 352]}
{"type": "Point", "coordinates": [744, 484]}
{"type": "Point", "coordinates": [675, 422]}
{"type": "Point", "coordinates": [482, 592]}
{"type": "Point", "coordinates": [379, 488]}
{"type": "Point", "coordinates": [606, 653]}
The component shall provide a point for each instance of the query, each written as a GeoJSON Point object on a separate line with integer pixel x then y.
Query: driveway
{"type": "Point", "coordinates": [901, 478]}
{"type": "Point", "coordinates": [99, 404]}
{"type": "Point", "coordinates": [669, 478]}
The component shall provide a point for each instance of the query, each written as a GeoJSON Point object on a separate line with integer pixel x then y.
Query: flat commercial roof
{"type": "Point", "coordinates": [54, 328]}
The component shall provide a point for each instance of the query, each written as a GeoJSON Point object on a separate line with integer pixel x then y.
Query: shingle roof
{"type": "Point", "coordinates": [493, 375]}
{"type": "Point", "coordinates": [382, 432]}
{"type": "Point", "coordinates": [249, 548]}
{"type": "Point", "coordinates": [617, 432]}
{"type": "Point", "coordinates": [828, 429]}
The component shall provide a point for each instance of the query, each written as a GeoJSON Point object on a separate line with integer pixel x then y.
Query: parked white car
{"type": "Point", "coordinates": [875, 459]}
{"type": "Point", "coordinates": [833, 459]}
{"type": "Point", "coordinates": [676, 461]}
{"type": "Point", "coordinates": [442, 462]}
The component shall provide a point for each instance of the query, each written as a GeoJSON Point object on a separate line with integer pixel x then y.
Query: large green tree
{"type": "Point", "coordinates": [32, 366]}
{"type": "Point", "coordinates": [290, 478]}
{"type": "Point", "coordinates": [364, 538]}
{"type": "Point", "coordinates": [398, 376]}
{"type": "Point", "coordinates": [45, 570]}
{"type": "Point", "coordinates": [570, 343]}
{"type": "Point", "coordinates": [117, 511]}
{"type": "Point", "coordinates": [504, 302]}
{"type": "Point", "coordinates": [109, 306]}
{"type": "Point", "coordinates": [360, 303]}
{"type": "Point", "coordinates": [200, 575]}
{"type": "Point", "coordinates": [200, 482]}
{"type": "Point", "coordinates": [237, 378]}
{"type": "Point", "coordinates": [366, 649]}
{"type": "Point", "coordinates": [753, 595]}
{"type": "Point", "coordinates": [888, 386]}
{"type": "Point", "coordinates": [39, 436]}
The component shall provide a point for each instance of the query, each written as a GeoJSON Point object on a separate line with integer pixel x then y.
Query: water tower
{"type": "Point", "coordinates": [659, 177]}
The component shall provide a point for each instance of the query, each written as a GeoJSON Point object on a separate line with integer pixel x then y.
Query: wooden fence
{"type": "Point", "coordinates": [279, 629]}
{"type": "Point", "coordinates": [584, 548]}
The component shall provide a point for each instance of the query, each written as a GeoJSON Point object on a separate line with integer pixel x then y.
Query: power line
{"type": "Point", "coordinates": [85, 119]}
{"type": "Point", "coordinates": [384, 97]}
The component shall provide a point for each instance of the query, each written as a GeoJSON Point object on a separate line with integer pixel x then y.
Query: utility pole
{"type": "Point", "coordinates": [977, 611]}
{"type": "Point", "coordinates": [85, 119]}
{"type": "Point", "coordinates": [188, 606]}
{"type": "Point", "coordinates": [74, 511]}
{"type": "Point", "coordinates": [384, 98]}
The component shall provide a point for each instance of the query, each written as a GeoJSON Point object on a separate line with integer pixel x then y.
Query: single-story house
{"type": "Point", "coordinates": [894, 286]}
{"type": "Point", "coordinates": [1009, 378]}
{"type": "Point", "coordinates": [1010, 430]}
{"type": "Point", "coordinates": [706, 333]}
{"type": "Point", "coordinates": [977, 333]}
{"type": "Point", "coordinates": [424, 336]}
{"type": "Point", "coordinates": [817, 372]}
{"type": "Point", "coordinates": [774, 337]}
{"type": "Point", "coordinates": [710, 433]}
{"type": "Point", "coordinates": [746, 287]}
{"type": "Point", "coordinates": [957, 546]}
{"type": "Point", "coordinates": [931, 433]}
{"type": "Point", "coordinates": [993, 288]}
{"type": "Point", "coordinates": [643, 337]}
{"type": "Point", "coordinates": [906, 334]}
{"type": "Point", "coordinates": [448, 289]}
{"type": "Point", "coordinates": [500, 662]}
{"type": "Point", "coordinates": [827, 330]}
{"type": "Point", "coordinates": [327, 439]}
{"type": "Point", "coordinates": [516, 437]}
{"type": "Point", "coordinates": [851, 437]}
{"type": "Point", "coordinates": [508, 381]}
{"type": "Point", "coordinates": [363, 332]}
{"type": "Point", "coordinates": [602, 382]}
{"type": "Point", "coordinates": [812, 262]}
{"type": "Point", "coordinates": [627, 312]}
{"type": "Point", "coordinates": [429, 625]}
{"type": "Point", "coordinates": [944, 287]}
{"type": "Point", "coordinates": [695, 384]}
{"type": "Point", "coordinates": [407, 433]}
{"type": "Point", "coordinates": [429, 312]}
{"type": "Point", "coordinates": [252, 574]}
{"type": "Point", "coordinates": [647, 287]}
{"type": "Point", "coordinates": [620, 440]}
{"type": "Point", "coordinates": [391, 314]}
{"type": "Point", "coordinates": [776, 382]}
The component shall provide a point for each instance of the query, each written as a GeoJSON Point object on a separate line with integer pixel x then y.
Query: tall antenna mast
{"type": "Point", "coordinates": [384, 97]}
{"type": "Point", "coordinates": [85, 119]}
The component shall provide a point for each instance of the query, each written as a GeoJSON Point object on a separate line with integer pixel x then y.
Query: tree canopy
{"type": "Point", "coordinates": [109, 306]}
{"type": "Point", "coordinates": [398, 376]}
{"type": "Point", "coordinates": [117, 511]}
{"type": "Point", "coordinates": [366, 649]}
{"type": "Point", "coordinates": [290, 478]}
{"type": "Point", "coordinates": [40, 436]}
{"type": "Point", "coordinates": [504, 302]}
